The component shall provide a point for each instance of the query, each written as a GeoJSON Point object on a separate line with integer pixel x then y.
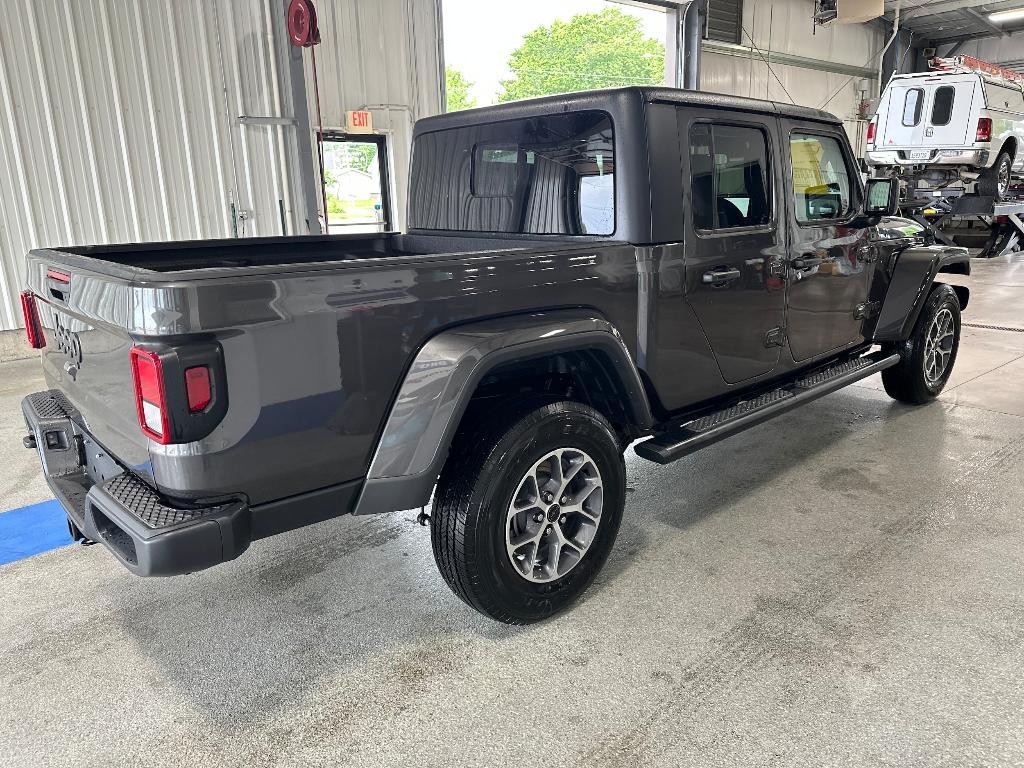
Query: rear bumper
{"type": "Point", "coordinates": [975, 158]}
{"type": "Point", "coordinates": [149, 535]}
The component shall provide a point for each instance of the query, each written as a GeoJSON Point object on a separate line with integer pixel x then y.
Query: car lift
{"type": "Point", "coordinates": [1004, 220]}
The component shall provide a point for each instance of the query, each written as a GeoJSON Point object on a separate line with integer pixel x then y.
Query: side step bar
{"type": "Point", "coordinates": [703, 431]}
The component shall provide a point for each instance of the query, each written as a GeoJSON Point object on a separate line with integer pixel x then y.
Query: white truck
{"type": "Point", "coordinates": [961, 126]}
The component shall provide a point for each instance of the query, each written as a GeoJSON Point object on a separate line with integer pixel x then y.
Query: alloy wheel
{"type": "Point", "coordinates": [554, 515]}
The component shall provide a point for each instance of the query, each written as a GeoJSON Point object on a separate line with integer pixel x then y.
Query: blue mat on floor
{"type": "Point", "coordinates": [33, 529]}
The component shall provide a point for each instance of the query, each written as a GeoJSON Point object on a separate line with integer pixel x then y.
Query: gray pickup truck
{"type": "Point", "coordinates": [580, 273]}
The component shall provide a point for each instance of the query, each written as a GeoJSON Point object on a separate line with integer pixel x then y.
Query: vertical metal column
{"type": "Point", "coordinates": [684, 33]}
{"type": "Point", "coordinates": [309, 182]}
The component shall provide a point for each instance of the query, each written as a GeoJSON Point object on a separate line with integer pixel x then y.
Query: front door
{"type": "Point", "coordinates": [830, 263]}
{"type": "Point", "coordinates": [734, 254]}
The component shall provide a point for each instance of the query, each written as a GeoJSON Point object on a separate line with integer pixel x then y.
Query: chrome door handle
{"type": "Point", "coordinates": [719, 276]}
{"type": "Point", "coordinates": [807, 262]}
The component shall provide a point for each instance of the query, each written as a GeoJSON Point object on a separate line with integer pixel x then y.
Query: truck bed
{"type": "Point", "coordinates": [285, 251]}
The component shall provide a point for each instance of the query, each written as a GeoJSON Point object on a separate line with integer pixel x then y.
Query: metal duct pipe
{"type": "Point", "coordinates": [881, 56]}
{"type": "Point", "coordinates": [692, 15]}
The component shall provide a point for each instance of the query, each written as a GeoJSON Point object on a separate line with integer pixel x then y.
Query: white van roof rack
{"type": "Point", "coordinates": [970, 64]}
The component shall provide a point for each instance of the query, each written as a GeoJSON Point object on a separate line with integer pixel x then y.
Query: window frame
{"type": "Point", "coordinates": [383, 160]}
{"type": "Point", "coordinates": [935, 97]}
{"type": "Point", "coordinates": [770, 181]}
{"type": "Point", "coordinates": [918, 112]}
{"type": "Point", "coordinates": [852, 172]}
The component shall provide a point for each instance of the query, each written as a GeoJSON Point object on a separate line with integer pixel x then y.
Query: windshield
{"type": "Point", "coordinates": [549, 175]}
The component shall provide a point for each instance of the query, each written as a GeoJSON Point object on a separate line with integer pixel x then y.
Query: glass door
{"type": "Point", "coordinates": [355, 183]}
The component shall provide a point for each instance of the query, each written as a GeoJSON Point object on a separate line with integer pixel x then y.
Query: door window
{"type": "Point", "coordinates": [912, 102]}
{"type": "Point", "coordinates": [355, 184]}
{"type": "Point", "coordinates": [821, 178]}
{"type": "Point", "coordinates": [729, 176]}
{"type": "Point", "coordinates": [942, 105]}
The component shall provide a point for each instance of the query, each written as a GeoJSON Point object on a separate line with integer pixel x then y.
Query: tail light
{"type": "Point", "coordinates": [984, 132]}
{"type": "Point", "coordinates": [150, 398]}
{"type": "Point", "coordinates": [871, 130]}
{"type": "Point", "coordinates": [180, 392]}
{"type": "Point", "coordinates": [33, 328]}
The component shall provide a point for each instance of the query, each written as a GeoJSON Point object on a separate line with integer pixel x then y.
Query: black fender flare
{"type": "Point", "coordinates": [442, 378]}
{"type": "Point", "coordinates": [910, 283]}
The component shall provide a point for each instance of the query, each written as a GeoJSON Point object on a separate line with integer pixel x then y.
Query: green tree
{"type": "Point", "coordinates": [456, 88]}
{"type": "Point", "coordinates": [360, 156]}
{"type": "Point", "coordinates": [591, 50]}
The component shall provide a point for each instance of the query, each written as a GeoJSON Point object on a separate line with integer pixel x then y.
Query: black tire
{"type": "Point", "coordinates": [995, 181]}
{"type": "Point", "coordinates": [909, 381]}
{"type": "Point", "coordinates": [471, 511]}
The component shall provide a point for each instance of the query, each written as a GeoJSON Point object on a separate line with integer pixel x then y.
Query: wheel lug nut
{"type": "Point", "coordinates": [538, 517]}
{"type": "Point", "coordinates": [562, 519]}
{"type": "Point", "coordinates": [547, 530]}
{"type": "Point", "coordinates": [564, 500]}
{"type": "Point", "coordinates": [548, 496]}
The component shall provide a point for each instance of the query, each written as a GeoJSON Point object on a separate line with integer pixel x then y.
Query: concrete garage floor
{"type": "Point", "coordinates": [841, 586]}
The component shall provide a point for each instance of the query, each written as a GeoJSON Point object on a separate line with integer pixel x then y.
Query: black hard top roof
{"type": "Point", "coordinates": [623, 97]}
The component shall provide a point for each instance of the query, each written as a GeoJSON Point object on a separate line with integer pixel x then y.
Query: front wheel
{"type": "Point", "coordinates": [927, 357]}
{"type": "Point", "coordinates": [527, 508]}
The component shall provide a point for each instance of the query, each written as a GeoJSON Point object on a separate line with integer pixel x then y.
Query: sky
{"type": "Point", "coordinates": [479, 35]}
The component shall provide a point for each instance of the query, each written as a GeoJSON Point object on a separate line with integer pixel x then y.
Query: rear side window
{"type": "Point", "coordinates": [729, 176]}
{"type": "Point", "coordinates": [821, 178]}
{"type": "Point", "coordinates": [913, 100]}
{"type": "Point", "coordinates": [942, 105]}
{"type": "Point", "coordinates": [546, 175]}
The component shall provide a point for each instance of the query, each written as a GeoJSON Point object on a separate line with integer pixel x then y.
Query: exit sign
{"type": "Point", "coordinates": [360, 121]}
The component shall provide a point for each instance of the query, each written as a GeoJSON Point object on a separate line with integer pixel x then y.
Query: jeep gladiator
{"type": "Point", "coordinates": [580, 273]}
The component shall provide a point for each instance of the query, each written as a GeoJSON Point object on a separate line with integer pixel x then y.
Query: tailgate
{"type": "Point", "coordinates": [84, 315]}
{"type": "Point", "coordinates": [928, 112]}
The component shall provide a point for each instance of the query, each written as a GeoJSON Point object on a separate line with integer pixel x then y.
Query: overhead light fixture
{"type": "Point", "coordinates": [1014, 14]}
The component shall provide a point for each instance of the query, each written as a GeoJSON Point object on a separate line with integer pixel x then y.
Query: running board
{"type": "Point", "coordinates": [705, 430]}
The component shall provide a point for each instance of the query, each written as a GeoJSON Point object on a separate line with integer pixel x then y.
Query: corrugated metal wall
{"type": "Point", "coordinates": [380, 55]}
{"type": "Point", "coordinates": [813, 64]}
{"type": "Point", "coordinates": [119, 118]}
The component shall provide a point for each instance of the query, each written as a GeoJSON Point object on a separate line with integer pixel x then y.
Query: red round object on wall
{"type": "Point", "coordinates": [302, 29]}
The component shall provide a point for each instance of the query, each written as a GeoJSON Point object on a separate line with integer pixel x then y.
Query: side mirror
{"type": "Point", "coordinates": [882, 197]}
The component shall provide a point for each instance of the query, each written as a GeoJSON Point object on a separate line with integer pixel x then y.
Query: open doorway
{"type": "Point", "coordinates": [356, 186]}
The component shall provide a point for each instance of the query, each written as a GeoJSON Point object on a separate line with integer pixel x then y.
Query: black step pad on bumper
{"type": "Point", "coordinates": [152, 538]}
{"type": "Point", "coordinates": [148, 534]}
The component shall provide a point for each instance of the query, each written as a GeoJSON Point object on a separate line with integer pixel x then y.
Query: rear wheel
{"type": "Point", "coordinates": [927, 357]}
{"type": "Point", "coordinates": [527, 509]}
{"type": "Point", "coordinates": [995, 181]}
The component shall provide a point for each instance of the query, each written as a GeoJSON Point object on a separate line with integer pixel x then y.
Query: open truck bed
{"type": "Point", "coordinates": [278, 251]}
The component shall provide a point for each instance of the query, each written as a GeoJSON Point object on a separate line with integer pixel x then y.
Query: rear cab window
{"type": "Point", "coordinates": [546, 175]}
{"type": "Point", "coordinates": [822, 179]}
{"type": "Point", "coordinates": [729, 177]}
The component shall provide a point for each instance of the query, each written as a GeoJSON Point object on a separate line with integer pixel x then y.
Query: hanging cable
{"type": "Point", "coordinates": [320, 139]}
{"type": "Point", "coordinates": [767, 64]}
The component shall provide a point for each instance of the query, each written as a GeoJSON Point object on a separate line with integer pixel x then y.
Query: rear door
{"type": "Point", "coordinates": [948, 111]}
{"type": "Point", "coordinates": [903, 116]}
{"type": "Point", "coordinates": [734, 252]}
